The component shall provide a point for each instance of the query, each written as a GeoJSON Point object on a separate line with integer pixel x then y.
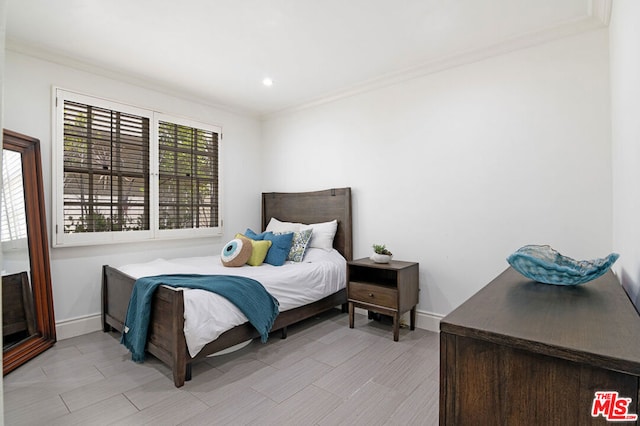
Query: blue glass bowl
{"type": "Point", "coordinates": [546, 265]}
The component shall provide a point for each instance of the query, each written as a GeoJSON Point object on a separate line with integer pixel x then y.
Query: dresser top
{"type": "Point", "coordinates": [392, 265]}
{"type": "Point", "coordinates": [594, 322]}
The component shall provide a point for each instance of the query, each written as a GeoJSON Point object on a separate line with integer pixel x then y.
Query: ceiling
{"type": "Point", "coordinates": [219, 51]}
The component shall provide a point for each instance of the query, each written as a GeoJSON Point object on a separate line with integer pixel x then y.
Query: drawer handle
{"type": "Point", "coordinates": [370, 294]}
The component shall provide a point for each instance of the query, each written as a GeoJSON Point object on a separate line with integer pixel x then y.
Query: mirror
{"type": "Point", "coordinates": [27, 301]}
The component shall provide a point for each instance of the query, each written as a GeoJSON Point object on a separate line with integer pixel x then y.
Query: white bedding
{"type": "Point", "coordinates": [208, 315]}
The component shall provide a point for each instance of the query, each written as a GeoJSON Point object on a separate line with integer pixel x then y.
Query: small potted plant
{"type": "Point", "coordinates": [381, 254]}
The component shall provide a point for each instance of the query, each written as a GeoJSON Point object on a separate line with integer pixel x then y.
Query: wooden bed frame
{"type": "Point", "coordinates": [166, 339]}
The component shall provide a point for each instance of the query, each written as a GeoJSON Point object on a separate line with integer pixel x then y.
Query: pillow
{"type": "Point", "coordinates": [236, 252]}
{"type": "Point", "coordinates": [258, 252]}
{"type": "Point", "coordinates": [313, 254]}
{"type": "Point", "coordinates": [250, 234]}
{"type": "Point", "coordinates": [323, 234]}
{"type": "Point", "coordinates": [280, 245]}
{"type": "Point", "coordinates": [299, 245]}
{"type": "Point", "coordinates": [281, 227]}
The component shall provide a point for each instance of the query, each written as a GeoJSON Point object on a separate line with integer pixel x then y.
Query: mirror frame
{"type": "Point", "coordinates": [37, 239]}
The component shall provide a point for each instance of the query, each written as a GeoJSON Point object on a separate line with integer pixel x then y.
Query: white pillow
{"type": "Point", "coordinates": [276, 226]}
{"type": "Point", "coordinates": [323, 234]}
{"type": "Point", "coordinates": [313, 254]}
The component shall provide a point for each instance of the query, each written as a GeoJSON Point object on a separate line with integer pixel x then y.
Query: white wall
{"type": "Point", "coordinates": [455, 169]}
{"type": "Point", "coordinates": [76, 271]}
{"type": "Point", "coordinates": [625, 107]}
{"type": "Point", "coordinates": [458, 169]}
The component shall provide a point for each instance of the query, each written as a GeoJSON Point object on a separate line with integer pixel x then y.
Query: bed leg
{"type": "Point", "coordinates": [187, 375]}
{"type": "Point", "coordinates": [179, 377]}
{"type": "Point", "coordinates": [345, 308]}
{"type": "Point", "coordinates": [181, 367]}
{"type": "Point", "coordinates": [284, 333]}
{"type": "Point", "coordinates": [105, 327]}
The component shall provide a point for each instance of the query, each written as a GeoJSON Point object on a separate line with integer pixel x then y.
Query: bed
{"type": "Point", "coordinates": [166, 339]}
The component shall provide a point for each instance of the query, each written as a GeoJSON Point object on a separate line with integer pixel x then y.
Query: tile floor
{"type": "Point", "coordinates": [323, 374]}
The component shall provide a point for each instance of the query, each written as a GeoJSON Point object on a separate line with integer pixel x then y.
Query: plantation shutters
{"type": "Point", "coordinates": [106, 170]}
{"type": "Point", "coordinates": [123, 173]}
{"type": "Point", "coordinates": [188, 177]}
{"type": "Point", "coordinates": [14, 221]}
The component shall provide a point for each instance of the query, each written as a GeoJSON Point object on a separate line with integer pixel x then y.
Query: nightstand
{"type": "Point", "coordinates": [386, 288]}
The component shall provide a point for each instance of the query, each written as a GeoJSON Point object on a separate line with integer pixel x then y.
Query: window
{"type": "Point", "coordinates": [105, 170]}
{"type": "Point", "coordinates": [14, 220]}
{"type": "Point", "coordinates": [188, 178]}
{"type": "Point", "coordinates": [128, 174]}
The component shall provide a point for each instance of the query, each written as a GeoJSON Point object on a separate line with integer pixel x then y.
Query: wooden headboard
{"type": "Point", "coordinates": [313, 207]}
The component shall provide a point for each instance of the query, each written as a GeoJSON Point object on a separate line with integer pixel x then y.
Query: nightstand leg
{"type": "Point", "coordinates": [396, 327]}
{"type": "Point", "coordinates": [412, 319]}
{"type": "Point", "coordinates": [350, 315]}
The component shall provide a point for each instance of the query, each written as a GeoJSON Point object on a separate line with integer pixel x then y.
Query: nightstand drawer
{"type": "Point", "coordinates": [374, 294]}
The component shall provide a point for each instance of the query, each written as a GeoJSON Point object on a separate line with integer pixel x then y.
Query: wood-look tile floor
{"type": "Point", "coordinates": [324, 373]}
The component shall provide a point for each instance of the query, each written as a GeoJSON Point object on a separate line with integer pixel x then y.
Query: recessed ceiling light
{"type": "Point", "coordinates": [267, 82]}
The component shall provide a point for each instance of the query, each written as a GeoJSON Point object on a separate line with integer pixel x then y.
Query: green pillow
{"type": "Point", "coordinates": [259, 252]}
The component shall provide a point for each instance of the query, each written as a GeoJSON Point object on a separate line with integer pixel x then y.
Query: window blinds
{"type": "Point", "coordinates": [106, 170]}
{"type": "Point", "coordinates": [188, 177]}
{"type": "Point", "coordinates": [14, 221]}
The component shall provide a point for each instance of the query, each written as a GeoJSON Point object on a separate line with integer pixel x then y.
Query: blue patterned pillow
{"type": "Point", "coordinates": [299, 245]}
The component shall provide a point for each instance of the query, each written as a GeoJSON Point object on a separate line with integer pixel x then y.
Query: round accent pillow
{"type": "Point", "coordinates": [236, 252]}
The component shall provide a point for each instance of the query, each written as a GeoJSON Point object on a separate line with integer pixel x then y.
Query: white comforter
{"type": "Point", "coordinates": [208, 315]}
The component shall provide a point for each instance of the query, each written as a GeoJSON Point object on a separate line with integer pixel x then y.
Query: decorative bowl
{"type": "Point", "coordinates": [544, 264]}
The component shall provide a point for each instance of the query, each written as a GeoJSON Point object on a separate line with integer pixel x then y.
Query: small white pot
{"type": "Point", "coordinates": [381, 258]}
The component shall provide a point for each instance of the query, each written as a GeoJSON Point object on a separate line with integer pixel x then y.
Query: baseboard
{"type": "Point", "coordinates": [428, 321]}
{"type": "Point", "coordinates": [424, 320]}
{"type": "Point", "coordinates": [78, 326]}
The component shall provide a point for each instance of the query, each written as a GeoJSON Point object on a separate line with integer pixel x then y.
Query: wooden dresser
{"type": "Point", "coordinates": [523, 353]}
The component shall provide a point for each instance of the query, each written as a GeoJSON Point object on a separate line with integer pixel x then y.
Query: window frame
{"type": "Point", "coordinates": [62, 239]}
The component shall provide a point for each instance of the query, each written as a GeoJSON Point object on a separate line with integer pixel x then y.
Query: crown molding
{"type": "Point", "coordinates": [144, 82]}
{"type": "Point", "coordinates": [597, 17]}
{"type": "Point", "coordinates": [601, 10]}
{"type": "Point", "coordinates": [566, 29]}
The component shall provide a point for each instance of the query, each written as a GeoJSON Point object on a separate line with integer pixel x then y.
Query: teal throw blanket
{"type": "Point", "coordinates": [255, 302]}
